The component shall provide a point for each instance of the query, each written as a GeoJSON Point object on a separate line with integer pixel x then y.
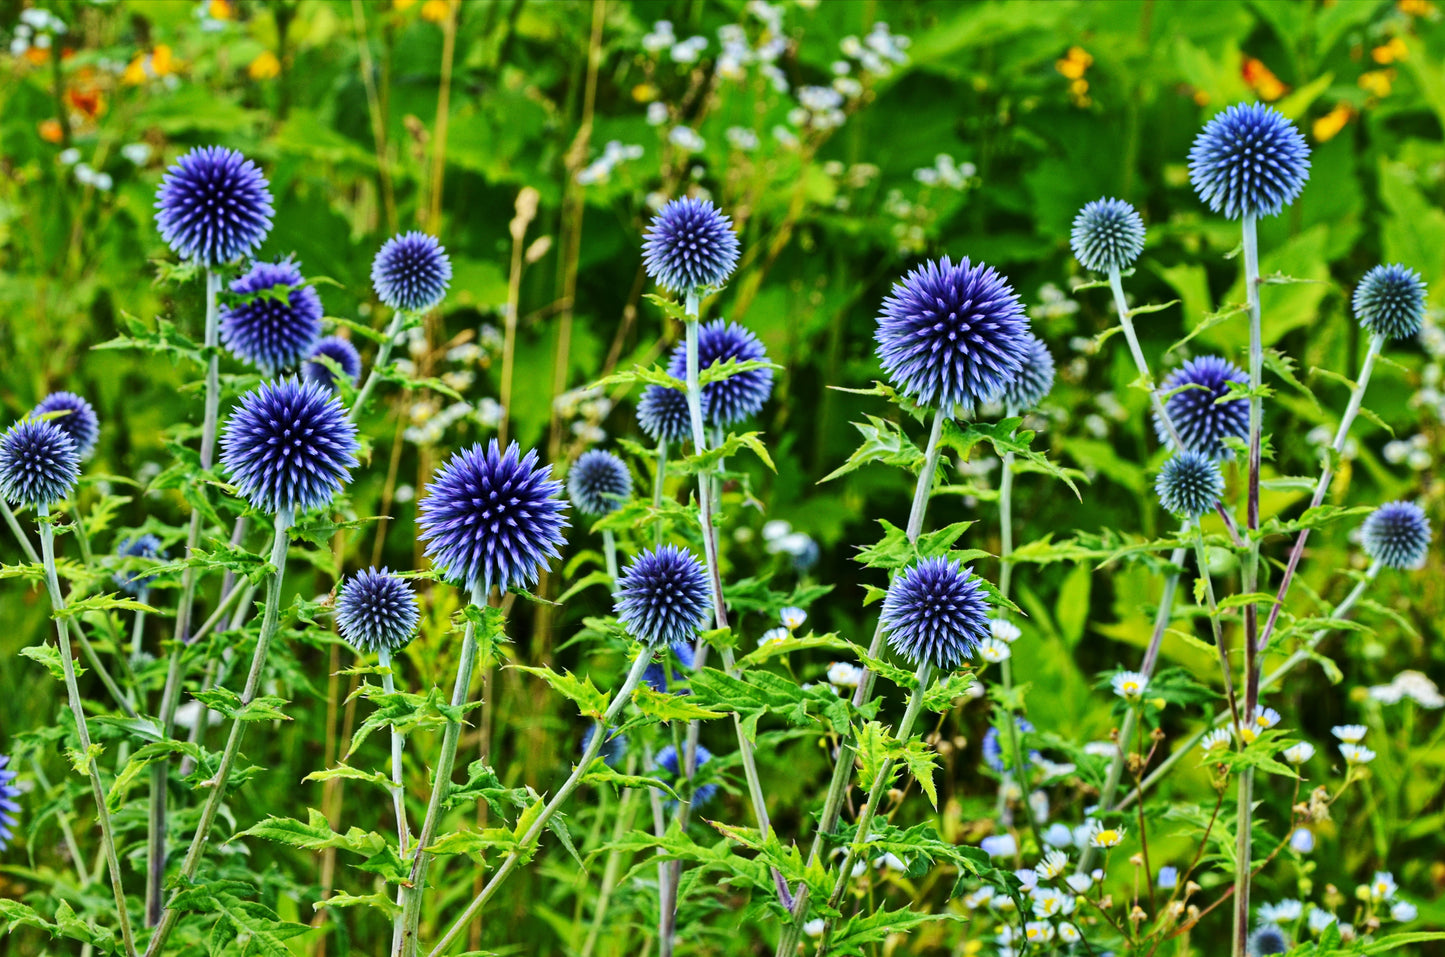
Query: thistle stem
{"type": "Point", "coordinates": [1217, 632]}
{"type": "Point", "coordinates": [383, 355]}
{"type": "Point", "coordinates": [611, 871]}
{"type": "Point", "coordinates": [398, 744]}
{"type": "Point", "coordinates": [138, 629]}
{"type": "Point", "coordinates": [609, 552]}
{"type": "Point", "coordinates": [19, 533]}
{"type": "Point", "coordinates": [658, 482]}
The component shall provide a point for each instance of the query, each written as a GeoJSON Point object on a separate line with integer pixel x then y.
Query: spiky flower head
{"type": "Point", "coordinates": [935, 612]}
{"type": "Point", "coordinates": [952, 334]}
{"type": "Point", "coordinates": [213, 206]}
{"type": "Point", "coordinates": [8, 806]}
{"type": "Point", "coordinates": [141, 546]}
{"type": "Point", "coordinates": [1108, 234]}
{"type": "Point", "coordinates": [1390, 301]}
{"type": "Point", "coordinates": [599, 483]}
{"type": "Point", "coordinates": [1249, 160]}
{"type": "Point", "coordinates": [738, 396]}
{"type": "Point", "coordinates": [1397, 535]}
{"type": "Point", "coordinates": [1267, 939]}
{"type": "Point", "coordinates": [1189, 484]}
{"type": "Point", "coordinates": [289, 446]}
{"type": "Point", "coordinates": [662, 597]}
{"type": "Point", "coordinates": [614, 746]}
{"type": "Point", "coordinates": [377, 611]}
{"type": "Point", "coordinates": [690, 245]}
{"type": "Point", "coordinates": [278, 323]}
{"type": "Point", "coordinates": [662, 412]}
{"type": "Point", "coordinates": [667, 762]}
{"type": "Point", "coordinates": [493, 517]}
{"type": "Point", "coordinates": [1197, 407]}
{"type": "Point", "coordinates": [993, 753]}
{"type": "Point", "coordinates": [411, 272]}
{"type": "Point", "coordinates": [1035, 377]}
{"type": "Point", "coordinates": [38, 463]}
{"type": "Point", "coordinates": [339, 351]}
{"type": "Point", "coordinates": [662, 676]}
{"type": "Point", "coordinates": [75, 417]}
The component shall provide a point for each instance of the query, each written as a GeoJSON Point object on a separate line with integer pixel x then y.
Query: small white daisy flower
{"type": "Point", "coordinates": [1005, 631]}
{"type": "Point", "coordinates": [993, 651]}
{"type": "Point", "coordinates": [1052, 864]}
{"type": "Point", "coordinates": [1356, 754]}
{"type": "Point", "coordinates": [793, 618]}
{"type": "Point", "coordinates": [1382, 886]}
{"type": "Point", "coordinates": [1299, 753]}
{"type": "Point", "coordinates": [1349, 733]}
{"type": "Point", "coordinates": [1106, 836]}
{"type": "Point", "coordinates": [1130, 685]}
{"type": "Point", "coordinates": [1216, 740]}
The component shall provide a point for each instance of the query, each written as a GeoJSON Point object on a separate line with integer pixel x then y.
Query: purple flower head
{"type": "Point", "coordinates": [952, 334]}
{"type": "Point", "coordinates": [738, 396]}
{"type": "Point", "coordinates": [1267, 939]}
{"type": "Point", "coordinates": [339, 351]}
{"type": "Point", "coordinates": [213, 206]}
{"type": "Point", "coordinates": [1107, 235]}
{"type": "Point", "coordinates": [493, 517]}
{"type": "Point", "coordinates": [993, 752]}
{"type": "Point", "coordinates": [289, 446]}
{"type": "Point", "coordinates": [76, 418]}
{"type": "Point", "coordinates": [377, 611]}
{"type": "Point", "coordinates": [662, 412]}
{"type": "Point", "coordinates": [1390, 301]}
{"type": "Point", "coordinates": [1202, 420]}
{"type": "Point", "coordinates": [662, 597]}
{"type": "Point", "coordinates": [690, 245]}
{"type": "Point", "coordinates": [38, 463]}
{"type": "Point", "coordinates": [667, 763]}
{"type": "Point", "coordinates": [1397, 535]}
{"type": "Point", "coordinates": [936, 612]}
{"type": "Point", "coordinates": [662, 676]}
{"type": "Point", "coordinates": [598, 483]}
{"type": "Point", "coordinates": [1249, 160]}
{"type": "Point", "coordinates": [279, 325]}
{"type": "Point", "coordinates": [142, 546]}
{"type": "Point", "coordinates": [411, 272]}
{"type": "Point", "coordinates": [8, 805]}
{"type": "Point", "coordinates": [1189, 484]}
{"type": "Point", "coordinates": [1035, 376]}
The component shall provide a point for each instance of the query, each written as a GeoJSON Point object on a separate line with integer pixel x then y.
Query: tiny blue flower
{"type": "Point", "coordinates": [1302, 840]}
{"type": "Point", "coordinates": [1035, 377]}
{"type": "Point", "coordinates": [75, 417]}
{"type": "Point", "coordinates": [8, 806]}
{"type": "Point", "coordinates": [1267, 939]}
{"type": "Point", "coordinates": [377, 611]}
{"type": "Point", "coordinates": [1168, 878]}
{"type": "Point", "coordinates": [614, 746]}
{"type": "Point", "coordinates": [1197, 407]}
{"type": "Point", "coordinates": [599, 483]}
{"type": "Point", "coordinates": [690, 245]}
{"type": "Point", "coordinates": [1189, 484]}
{"type": "Point", "coordinates": [738, 396]}
{"type": "Point", "coordinates": [999, 845]}
{"type": "Point", "coordinates": [662, 597]}
{"type": "Point", "coordinates": [289, 446]}
{"type": "Point", "coordinates": [493, 517]}
{"type": "Point", "coordinates": [993, 755]}
{"type": "Point", "coordinates": [1249, 161]}
{"type": "Point", "coordinates": [936, 612]}
{"type": "Point", "coordinates": [667, 763]}
{"type": "Point", "coordinates": [1390, 301]}
{"type": "Point", "coordinates": [339, 351]}
{"type": "Point", "coordinates": [411, 272]}
{"type": "Point", "coordinates": [1397, 535]}
{"type": "Point", "coordinates": [142, 546]}
{"type": "Point", "coordinates": [279, 325]}
{"type": "Point", "coordinates": [663, 414]}
{"type": "Point", "coordinates": [213, 206]}
{"type": "Point", "coordinates": [38, 463]}
{"type": "Point", "coordinates": [1108, 234]}
{"type": "Point", "coordinates": [952, 334]}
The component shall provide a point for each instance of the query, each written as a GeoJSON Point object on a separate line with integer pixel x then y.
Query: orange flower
{"type": "Point", "coordinates": [158, 63]}
{"type": "Point", "coordinates": [1075, 63]}
{"type": "Point", "coordinates": [51, 132]}
{"type": "Point", "coordinates": [87, 102]}
{"type": "Point", "coordinates": [36, 55]}
{"type": "Point", "coordinates": [1328, 126]}
{"type": "Point", "coordinates": [265, 66]}
{"type": "Point", "coordinates": [1391, 52]}
{"type": "Point", "coordinates": [1262, 80]}
{"type": "Point", "coordinates": [221, 10]}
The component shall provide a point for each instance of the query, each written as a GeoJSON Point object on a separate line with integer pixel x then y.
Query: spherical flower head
{"type": "Point", "coordinates": [493, 517]}
{"type": "Point", "coordinates": [289, 446]}
{"type": "Point", "coordinates": [614, 746]}
{"type": "Point", "coordinates": [411, 272]}
{"type": "Point", "coordinates": [142, 546]}
{"type": "Point", "coordinates": [38, 463]}
{"type": "Point", "coordinates": [74, 416]}
{"type": "Point", "coordinates": [1108, 234]}
{"type": "Point", "coordinates": [1189, 484]}
{"type": "Point", "coordinates": [952, 334]}
{"type": "Point", "coordinates": [8, 805]}
{"type": "Point", "coordinates": [936, 612]}
{"type": "Point", "coordinates": [1035, 377]}
{"type": "Point", "coordinates": [1397, 535]}
{"type": "Point", "coordinates": [661, 676]}
{"type": "Point", "coordinates": [339, 351]}
{"type": "Point", "coordinates": [1249, 161]}
{"type": "Point", "coordinates": [213, 206]}
{"type": "Point", "coordinates": [738, 396]}
{"type": "Point", "coordinates": [663, 597]}
{"type": "Point", "coordinates": [993, 754]}
{"type": "Point", "coordinates": [1267, 939]}
{"type": "Point", "coordinates": [690, 245]}
{"type": "Point", "coordinates": [1390, 301]}
{"type": "Point", "coordinates": [377, 611]}
{"type": "Point", "coordinates": [667, 762]}
{"type": "Point", "coordinates": [663, 414]}
{"type": "Point", "coordinates": [599, 483]}
{"type": "Point", "coordinates": [1195, 408]}
{"type": "Point", "coordinates": [279, 323]}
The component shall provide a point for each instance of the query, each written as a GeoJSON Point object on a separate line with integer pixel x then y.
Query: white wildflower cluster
{"type": "Point", "coordinates": [84, 173]}
{"type": "Point", "coordinates": [742, 139]}
{"type": "Point", "coordinates": [1053, 302]}
{"type": "Point", "coordinates": [1431, 395]}
{"type": "Point", "coordinates": [585, 409]}
{"type": "Point", "coordinates": [878, 52]}
{"type": "Point", "coordinates": [687, 139]}
{"type": "Point", "coordinates": [947, 173]}
{"type": "Point", "coordinates": [1322, 437]}
{"type": "Point", "coordinates": [138, 153]}
{"type": "Point", "coordinates": [779, 538]}
{"type": "Point", "coordinates": [614, 154]}
{"type": "Point", "coordinates": [1412, 685]}
{"type": "Point", "coordinates": [430, 420]}
{"type": "Point", "coordinates": [1413, 452]}
{"type": "Point", "coordinates": [819, 108]}
{"type": "Point", "coordinates": [37, 28]}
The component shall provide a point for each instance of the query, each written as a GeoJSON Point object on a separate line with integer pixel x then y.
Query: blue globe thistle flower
{"type": "Point", "coordinates": [1189, 484]}
{"type": "Point", "coordinates": [1267, 939]}
{"type": "Point", "coordinates": [1035, 377]}
{"type": "Point", "coordinates": [993, 754]}
{"type": "Point", "coordinates": [411, 272]}
{"type": "Point", "coordinates": [38, 463]}
{"type": "Point", "coordinates": [738, 396]}
{"type": "Point", "coordinates": [1108, 234]}
{"type": "Point", "coordinates": [690, 245]}
{"type": "Point", "coordinates": [79, 420]}
{"type": "Point", "coordinates": [665, 766]}
{"type": "Point", "coordinates": [660, 676]}
{"type": "Point", "coordinates": [952, 334]}
{"type": "Point", "coordinates": [1397, 535]}
{"type": "Point", "coordinates": [289, 446]}
{"type": "Point", "coordinates": [935, 612]}
{"type": "Point", "coordinates": [273, 332]}
{"type": "Point", "coordinates": [213, 206]}
{"type": "Point", "coordinates": [377, 611]}
{"type": "Point", "coordinates": [339, 351]}
{"type": "Point", "coordinates": [1201, 419]}
{"type": "Point", "coordinates": [493, 517]}
{"type": "Point", "coordinates": [599, 483]}
{"type": "Point", "coordinates": [1390, 301]}
{"type": "Point", "coordinates": [142, 546]}
{"type": "Point", "coordinates": [1249, 160]}
{"type": "Point", "coordinates": [662, 412]}
{"type": "Point", "coordinates": [8, 806]}
{"type": "Point", "coordinates": [614, 747]}
{"type": "Point", "coordinates": [662, 597]}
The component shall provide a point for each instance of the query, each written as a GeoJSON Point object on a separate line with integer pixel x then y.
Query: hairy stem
{"type": "Point", "coordinates": [383, 356]}
{"type": "Point", "coordinates": [609, 552]}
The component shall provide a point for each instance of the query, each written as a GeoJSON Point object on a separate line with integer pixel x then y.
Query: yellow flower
{"type": "Point", "coordinates": [1328, 126]}
{"type": "Point", "coordinates": [1416, 8]}
{"type": "Point", "coordinates": [265, 66]}
{"type": "Point", "coordinates": [1390, 52]}
{"type": "Point", "coordinates": [402, 4]}
{"type": "Point", "coordinates": [644, 93]}
{"type": "Point", "coordinates": [221, 10]}
{"type": "Point", "coordinates": [162, 63]}
{"type": "Point", "coordinates": [1377, 82]}
{"type": "Point", "coordinates": [435, 10]}
{"type": "Point", "coordinates": [1074, 63]}
{"type": "Point", "coordinates": [1262, 80]}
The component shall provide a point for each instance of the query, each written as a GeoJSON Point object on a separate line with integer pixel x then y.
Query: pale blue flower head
{"type": "Point", "coordinates": [1249, 161]}
{"type": "Point", "coordinates": [377, 611]}
{"type": "Point", "coordinates": [38, 463]}
{"type": "Point", "coordinates": [213, 206]}
{"type": "Point", "coordinates": [74, 416]}
{"type": "Point", "coordinates": [663, 596]}
{"type": "Point", "coordinates": [599, 483]}
{"type": "Point", "coordinates": [289, 446]}
{"type": "Point", "coordinates": [1390, 301]}
{"type": "Point", "coordinates": [1189, 484]}
{"type": "Point", "coordinates": [411, 272]}
{"type": "Point", "coordinates": [690, 245]}
{"type": "Point", "coordinates": [1108, 234]}
{"type": "Point", "coordinates": [1397, 535]}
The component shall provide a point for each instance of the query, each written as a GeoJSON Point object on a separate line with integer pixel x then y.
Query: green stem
{"type": "Point", "coordinates": [398, 792]}
{"type": "Point", "coordinates": [659, 478]}
{"type": "Point", "coordinates": [19, 533]}
{"type": "Point", "coordinates": [609, 551]}
{"type": "Point", "coordinates": [383, 355]}
{"type": "Point", "coordinates": [612, 870]}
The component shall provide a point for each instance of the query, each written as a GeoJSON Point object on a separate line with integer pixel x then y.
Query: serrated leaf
{"type": "Point", "coordinates": [589, 700]}
{"type": "Point", "coordinates": [670, 707]}
{"type": "Point", "coordinates": [49, 656]}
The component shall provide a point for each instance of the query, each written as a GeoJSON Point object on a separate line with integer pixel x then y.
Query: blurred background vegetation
{"type": "Point", "coordinates": [848, 139]}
